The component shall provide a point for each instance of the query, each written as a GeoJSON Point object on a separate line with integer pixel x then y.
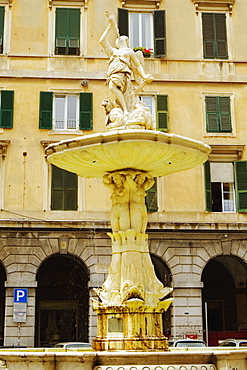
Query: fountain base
{"type": "Point", "coordinates": [132, 326]}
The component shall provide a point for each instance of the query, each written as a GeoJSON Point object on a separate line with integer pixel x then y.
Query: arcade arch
{"type": "Point", "coordinates": [224, 298]}
{"type": "Point", "coordinates": [62, 300]}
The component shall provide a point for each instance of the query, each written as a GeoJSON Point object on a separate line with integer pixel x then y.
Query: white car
{"type": "Point", "coordinates": [74, 345]}
{"type": "Point", "coordinates": [187, 343]}
{"type": "Point", "coordinates": [233, 343]}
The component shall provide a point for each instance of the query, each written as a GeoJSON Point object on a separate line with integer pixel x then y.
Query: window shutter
{"type": "Point", "coordinates": [57, 186]}
{"type": "Point", "coordinates": [61, 30]}
{"type": "Point", "coordinates": [208, 35]}
{"type": "Point", "coordinates": [123, 22]}
{"type": "Point", "coordinates": [64, 190]}
{"type": "Point", "coordinates": [220, 36]}
{"type": "Point", "coordinates": [86, 111]}
{"type": "Point", "coordinates": [70, 191]}
{"type": "Point", "coordinates": [162, 112]}
{"type": "Point", "coordinates": [241, 185]}
{"type": "Point", "coordinates": [74, 31]}
{"type": "Point", "coordinates": [211, 114]}
{"type": "Point", "coordinates": [151, 198]}
{"type": "Point", "coordinates": [7, 109]}
{"type": "Point", "coordinates": [45, 110]}
{"type": "Point", "coordinates": [207, 178]}
{"type": "Point", "coordinates": [159, 33]}
{"type": "Point", "coordinates": [1, 28]}
{"type": "Point", "coordinates": [225, 114]}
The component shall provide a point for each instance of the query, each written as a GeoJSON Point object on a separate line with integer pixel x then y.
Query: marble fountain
{"type": "Point", "coordinates": [130, 303]}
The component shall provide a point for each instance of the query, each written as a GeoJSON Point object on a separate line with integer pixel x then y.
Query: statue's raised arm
{"type": "Point", "coordinates": [127, 110]}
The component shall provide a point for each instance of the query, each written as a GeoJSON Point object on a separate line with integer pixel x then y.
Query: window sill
{"type": "Point", "coordinates": [65, 132]}
{"type": "Point", "coordinates": [219, 134]}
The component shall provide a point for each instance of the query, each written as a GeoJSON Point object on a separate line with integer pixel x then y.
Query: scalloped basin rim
{"type": "Point", "coordinates": [155, 152]}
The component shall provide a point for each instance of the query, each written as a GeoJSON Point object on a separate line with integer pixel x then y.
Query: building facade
{"type": "Point", "coordinates": [54, 225]}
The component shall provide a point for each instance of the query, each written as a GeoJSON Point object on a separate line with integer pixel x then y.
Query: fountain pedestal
{"type": "Point", "coordinates": [131, 301]}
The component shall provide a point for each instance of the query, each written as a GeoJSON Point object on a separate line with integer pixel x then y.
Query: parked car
{"type": "Point", "coordinates": [74, 345]}
{"type": "Point", "coordinates": [233, 343]}
{"type": "Point", "coordinates": [187, 343]}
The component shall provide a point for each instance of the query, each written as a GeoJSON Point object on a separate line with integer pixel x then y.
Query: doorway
{"type": "Point", "coordinates": [62, 301]}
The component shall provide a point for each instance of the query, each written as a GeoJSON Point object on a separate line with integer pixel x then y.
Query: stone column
{"type": "Point", "coordinates": [20, 334]}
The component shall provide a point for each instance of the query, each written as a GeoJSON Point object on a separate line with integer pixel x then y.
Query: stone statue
{"type": "Point", "coordinates": [128, 189]}
{"type": "Point", "coordinates": [123, 61]}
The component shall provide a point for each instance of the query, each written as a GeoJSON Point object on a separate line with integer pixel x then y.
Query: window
{"type": "Point", "coordinates": [151, 198]}
{"type": "Point", "coordinates": [214, 36]}
{"type": "Point", "coordinates": [66, 111]}
{"type": "Point", "coordinates": [226, 186]}
{"type": "Point", "coordinates": [218, 114]}
{"type": "Point", "coordinates": [2, 10]}
{"type": "Point", "coordinates": [144, 29]}
{"type": "Point", "coordinates": [158, 106]}
{"type": "Point", "coordinates": [6, 109]}
{"type": "Point", "coordinates": [63, 190]}
{"type": "Point", "coordinates": [67, 37]}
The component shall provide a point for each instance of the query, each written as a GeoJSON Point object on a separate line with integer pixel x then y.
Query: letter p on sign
{"type": "Point", "coordinates": [20, 295]}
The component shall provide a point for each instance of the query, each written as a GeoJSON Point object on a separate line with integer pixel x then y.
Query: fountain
{"type": "Point", "coordinates": [128, 157]}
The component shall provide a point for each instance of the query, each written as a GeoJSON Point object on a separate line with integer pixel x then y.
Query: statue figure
{"type": "Point", "coordinates": [128, 189]}
{"type": "Point", "coordinates": [120, 219]}
{"type": "Point", "coordinates": [123, 61]}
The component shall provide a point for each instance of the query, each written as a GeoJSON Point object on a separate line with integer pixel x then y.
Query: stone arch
{"type": "Point", "coordinates": [62, 300]}
{"type": "Point", "coordinates": [2, 302]}
{"type": "Point", "coordinates": [224, 297]}
{"type": "Point", "coordinates": [163, 273]}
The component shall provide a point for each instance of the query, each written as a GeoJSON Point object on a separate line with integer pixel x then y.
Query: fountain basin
{"type": "Point", "coordinates": [153, 152]}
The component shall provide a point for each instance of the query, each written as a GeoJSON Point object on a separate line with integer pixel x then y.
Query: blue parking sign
{"type": "Point", "coordinates": [20, 295]}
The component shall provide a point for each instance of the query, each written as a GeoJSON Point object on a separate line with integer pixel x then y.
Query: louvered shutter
{"type": "Point", "coordinates": [220, 36]}
{"type": "Point", "coordinates": [45, 110]}
{"type": "Point", "coordinates": [123, 22]}
{"type": "Point", "coordinates": [74, 31]}
{"type": "Point", "coordinates": [7, 109]}
{"type": "Point", "coordinates": [207, 179]}
{"type": "Point", "coordinates": [241, 185]}
{"type": "Point", "coordinates": [86, 111]}
{"type": "Point", "coordinates": [61, 30]}
{"type": "Point", "coordinates": [159, 33]}
{"type": "Point", "coordinates": [214, 35]}
{"type": "Point", "coordinates": [162, 112]}
{"type": "Point", "coordinates": [1, 28]}
{"type": "Point", "coordinates": [225, 113]}
{"type": "Point", "coordinates": [151, 198]}
{"type": "Point", "coordinates": [70, 191]}
{"type": "Point", "coordinates": [208, 35]}
{"type": "Point", "coordinates": [211, 114]}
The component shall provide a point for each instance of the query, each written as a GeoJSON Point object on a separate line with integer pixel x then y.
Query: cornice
{"type": "Point", "coordinates": [146, 4]}
{"type": "Point", "coordinates": [223, 5]}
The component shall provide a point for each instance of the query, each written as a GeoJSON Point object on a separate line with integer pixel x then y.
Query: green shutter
{"type": "Point", "coordinates": [2, 10]}
{"type": "Point", "coordinates": [45, 110]}
{"type": "Point", "coordinates": [241, 185]}
{"type": "Point", "coordinates": [220, 36]}
{"type": "Point", "coordinates": [218, 114]}
{"type": "Point", "coordinates": [61, 30]}
{"type": "Point", "coordinates": [67, 31]}
{"type": "Point", "coordinates": [214, 35]}
{"type": "Point", "coordinates": [162, 112]}
{"type": "Point", "coordinates": [207, 178]}
{"type": "Point", "coordinates": [151, 198]}
{"type": "Point", "coordinates": [86, 111]}
{"type": "Point", "coordinates": [7, 109]}
{"type": "Point", "coordinates": [159, 33]}
{"type": "Point", "coordinates": [225, 113]}
{"type": "Point", "coordinates": [123, 22]}
{"type": "Point", "coordinates": [74, 31]}
{"type": "Point", "coordinates": [63, 190]}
